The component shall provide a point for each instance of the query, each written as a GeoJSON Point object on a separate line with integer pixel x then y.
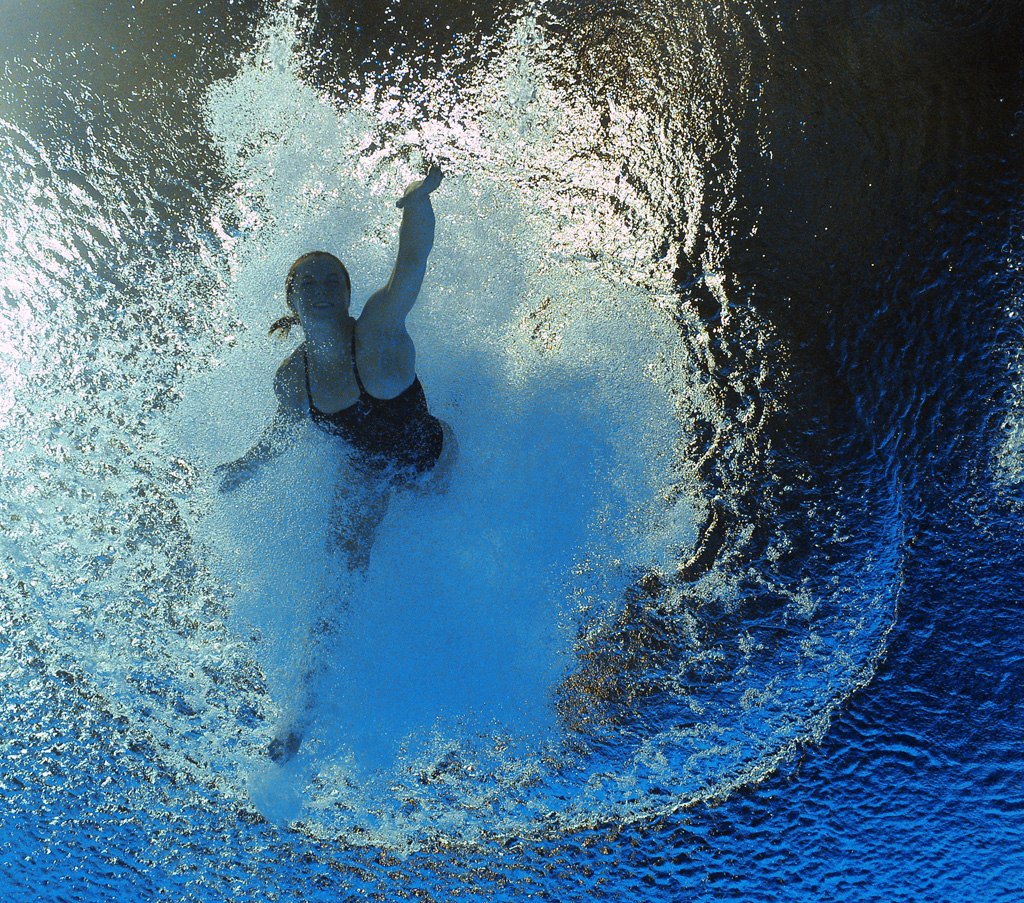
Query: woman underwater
{"type": "Point", "coordinates": [357, 380]}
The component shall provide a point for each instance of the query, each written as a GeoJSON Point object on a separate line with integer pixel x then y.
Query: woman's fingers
{"type": "Point", "coordinates": [231, 476]}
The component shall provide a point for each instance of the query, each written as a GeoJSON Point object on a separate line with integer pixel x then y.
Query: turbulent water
{"type": "Point", "coordinates": [724, 311]}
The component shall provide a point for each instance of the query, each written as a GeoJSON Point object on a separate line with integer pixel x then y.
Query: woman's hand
{"type": "Point", "coordinates": [232, 475]}
{"type": "Point", "coordinates": [421, 189]}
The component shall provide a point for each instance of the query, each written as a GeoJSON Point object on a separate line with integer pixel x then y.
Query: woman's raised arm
{"type": "Point", "coordinates": [415, 240]}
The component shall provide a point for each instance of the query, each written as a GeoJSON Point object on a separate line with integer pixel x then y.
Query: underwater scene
{"type": "Point", "coordinates": [714, 590]}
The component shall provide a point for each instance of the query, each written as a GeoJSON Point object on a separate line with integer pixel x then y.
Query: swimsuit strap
{"type": "Point", "coordinates": [305, 367]}
{"type": "Point", "coordinates": [355, 369]}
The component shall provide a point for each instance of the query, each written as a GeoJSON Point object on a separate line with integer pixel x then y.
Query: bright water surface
{"type": "Point", "coordinates": [721, 601]}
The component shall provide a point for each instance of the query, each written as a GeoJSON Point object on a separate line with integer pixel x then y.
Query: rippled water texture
{"type": "Point", "coordinates": [724, 309]}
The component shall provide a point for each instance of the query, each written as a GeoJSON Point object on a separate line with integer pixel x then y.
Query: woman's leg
{"type": "Point", "coordinates": [360, 503]}
{"type": "Point", "coordinates": [323, 630]}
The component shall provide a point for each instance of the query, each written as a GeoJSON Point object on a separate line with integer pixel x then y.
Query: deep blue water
{"type": "Point", "coordinates": [865, 373]}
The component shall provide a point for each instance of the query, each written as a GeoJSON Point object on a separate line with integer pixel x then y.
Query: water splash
{"type": "Point", "coordinates": [502, 668]}
{"type": "Point", "coordinates": [455, 642]}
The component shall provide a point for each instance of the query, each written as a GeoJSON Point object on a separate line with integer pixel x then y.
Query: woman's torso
{"type": "Point", "coordinates": [331, 388]}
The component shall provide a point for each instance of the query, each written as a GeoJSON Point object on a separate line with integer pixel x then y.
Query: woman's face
{"type": "Point", "coordinates": [319, 290]}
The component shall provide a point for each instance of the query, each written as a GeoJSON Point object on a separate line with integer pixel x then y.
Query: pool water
{"type": "Point", "coordinates": [720, 601]}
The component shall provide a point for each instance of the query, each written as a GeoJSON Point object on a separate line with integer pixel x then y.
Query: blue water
{"type": "Point", "coordinates": [824, 702]}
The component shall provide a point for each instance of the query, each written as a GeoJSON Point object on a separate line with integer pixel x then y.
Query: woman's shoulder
{"type": "Point", "coordinates": [290, 381]}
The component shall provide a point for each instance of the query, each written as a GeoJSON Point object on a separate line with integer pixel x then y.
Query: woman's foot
{"type": "Point", "coordinates": [284, 748]}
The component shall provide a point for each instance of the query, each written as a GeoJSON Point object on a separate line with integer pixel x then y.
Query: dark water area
{"type": "Point", "coordinates": [827, 199]}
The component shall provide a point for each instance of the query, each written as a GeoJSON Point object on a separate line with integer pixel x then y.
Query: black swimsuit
{"type": "Point", "coordinates": [397, 434]}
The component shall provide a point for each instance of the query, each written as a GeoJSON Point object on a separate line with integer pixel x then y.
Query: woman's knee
{"type": "Point", "coordinates": [450, 448]}
{"type": "Point", "coordinates": [439, 476]}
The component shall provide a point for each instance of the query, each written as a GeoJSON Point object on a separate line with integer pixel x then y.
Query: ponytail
{"type": "Point", "coordinates": [283, 325]}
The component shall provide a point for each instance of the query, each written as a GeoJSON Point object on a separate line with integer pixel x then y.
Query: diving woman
{"type": "Point", "coordinates": [356, 379]}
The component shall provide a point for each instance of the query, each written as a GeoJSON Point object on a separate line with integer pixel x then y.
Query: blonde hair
{"type": "Point", "coordinates": [284, 324]}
